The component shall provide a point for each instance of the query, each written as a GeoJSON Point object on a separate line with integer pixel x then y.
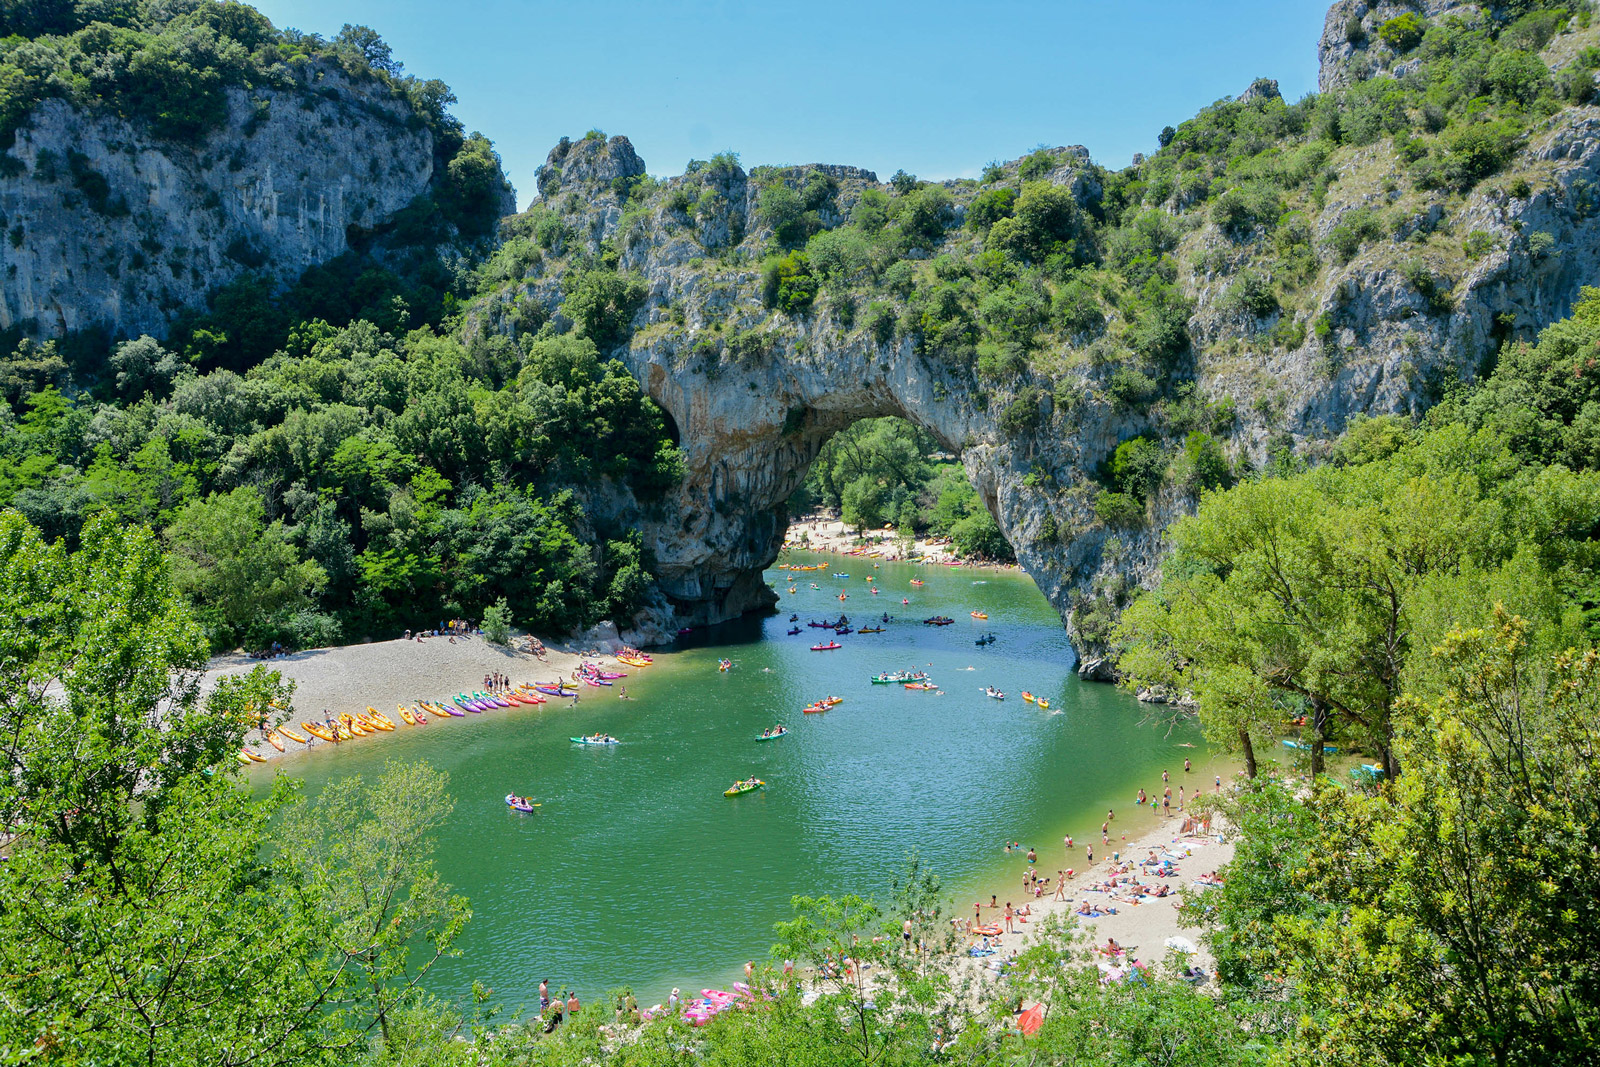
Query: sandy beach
{"type": "Point", "coordinates": [383, 674]}
{"type": "Point", "coordinates": [1141, 924]}
{"type": "Point", "coordinates": [832, 535]}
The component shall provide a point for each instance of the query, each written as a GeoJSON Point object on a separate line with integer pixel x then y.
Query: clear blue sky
{"type": "Point", "coordinates": [937, 88]}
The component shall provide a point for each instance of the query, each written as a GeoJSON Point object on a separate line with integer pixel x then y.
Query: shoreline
{"type": "Point", "coordinates": [384, 674]}
{"type": "Point", "coordinates": [834, 537]}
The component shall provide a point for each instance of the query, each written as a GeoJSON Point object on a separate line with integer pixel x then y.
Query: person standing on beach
{"type": "Point", "coordinates": [1009, 916]}
{"type": "Point", "coordinates": [1061, 885]}
{"type": "Point", "coordinates": [1089, 853]}
{"type": "Point", "coordinates": [1219, 783]}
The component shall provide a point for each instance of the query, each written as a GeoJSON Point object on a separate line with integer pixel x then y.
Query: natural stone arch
{"type": "Point", "coordinates": [750, 433]}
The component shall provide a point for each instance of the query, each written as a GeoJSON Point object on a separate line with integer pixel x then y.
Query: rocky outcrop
{"type": "Point", "coordinates": [110, 227]}
{"type": "Point", "coordinates": [1350, 49]}
{"type": "Point", "coordinates": [754, 393]}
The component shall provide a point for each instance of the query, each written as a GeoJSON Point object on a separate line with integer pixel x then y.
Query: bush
{"type": "Point", "coordinates": [1137, 467]}
{"type": "Point", "coordinates": [497, 622]}
{"type": "Point", "coordinates": [788, 284]}
{"type": "Point", "coordinates": [1022, 414]}
{"type": "Point", "coordinates": [990, 206]}
{"type": "Point", "coordinates": [1118, 509]}
{"type": "Point", "coordinates": [1130, 389]}
{"type": "Point", "coordinates": [1242, 210]}
{"type": "Point", "coordinates": [1047, 221]}
{"type": "Point", "coordinates": [1403, 32]}
{"type": "Point", "coordinates": [1251, 295]}
{"type": "Point", "coordinates": [1477, 244]}
{"type": "Point", "coordinates": [1355, 229]}
{"type": "Point", "coordinates": [602, 303]}
{"type": "Point", "coordinates": [1517, 76]}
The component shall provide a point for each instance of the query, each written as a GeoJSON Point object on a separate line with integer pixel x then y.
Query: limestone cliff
{"type": "Point", "coordinates": [108, 226]}
{"type": "Point", "coordinates": [755, 392]}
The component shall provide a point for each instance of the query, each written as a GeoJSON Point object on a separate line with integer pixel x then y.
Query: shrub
{"type": "Point", "coordinates": [1251, 295]}
{"type": "Point", "coordinates": [1517, 76]}
{"type": "Point", "coordinates": [601, 304]}
{"type": "Point", "coordinates": [1205, 467]}
{"type": "Point", "coordinates": [783, 209]}
{"type": "Point", "coordinates": [1036, 165]}
{"type": "Point", "coordinates": [879, 321]}
{"type": "Point", "coordinates": [1477, 244]}
{"type": "Point", "coordinates": [1242, 210]}
{"type": "Point", "coordinates": [1403, 32]}
{"type": "Point", "coordinates": [1047, 221]}
{"type": "Point", "coordinates": [1137, 467]}
{"type": "Point", "coordinates": [1130, 389]}
{"type": "Point", "coordinates": [788, 284]}
{"type": "Point", "coordinates": [990, 206]}
{"type": "Point", "coordinates": [1118, 509]}
{"type": "Point", "coordinates": [1355, 229]}
{"type": "Point", "coordinates": [497, 622]}
{"type": "Point", "coordinates": [1076, 309]}
{"type": "Point", "coordinates": [1022, 414]}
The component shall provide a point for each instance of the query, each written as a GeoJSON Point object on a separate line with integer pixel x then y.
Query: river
{"type": "Point", "coordinates": [637, 871]}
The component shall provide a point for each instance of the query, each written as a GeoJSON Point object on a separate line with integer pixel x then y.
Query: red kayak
{"type": "Point", "coordinates": [830, 646]}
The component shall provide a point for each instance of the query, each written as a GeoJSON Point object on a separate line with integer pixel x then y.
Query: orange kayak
{"type": "Point", "coordinates": [272, 739]}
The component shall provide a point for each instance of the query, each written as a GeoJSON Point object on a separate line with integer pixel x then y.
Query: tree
{"type": "Point", "coordinates": [497, 622]}
{"type": "Point", "coordinates": [235, 568]}
{"type": "Point", "coordinates": [141, 923]}
{"type": "Point", "coordinates": [365, 855]}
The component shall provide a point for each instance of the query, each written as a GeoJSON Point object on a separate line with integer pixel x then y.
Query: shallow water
{"type": "Point", "coordinates": [637, 871]}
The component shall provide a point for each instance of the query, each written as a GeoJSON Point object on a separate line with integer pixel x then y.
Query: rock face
{"type": "Point", "coordinates": [109, 227]}
{"type": "Point", "coordinates": [1350, 50]}
{"type": "Point", "coordinates": [754, 393]}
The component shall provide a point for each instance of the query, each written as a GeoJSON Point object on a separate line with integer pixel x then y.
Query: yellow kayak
{"type": "Point", "coordinates": [353, 725]}
{"type": "Point", "coordinates": [318, 731]}
{"type": "Point", "coordinates": [293, 735]}
{"type": "Point", "coordinates": [376, 718]}
{"type": "Point", "coordinates": [273, 739]}
{"type": "Point", "coordinates": [244, 758]}
{"type": "Point", "coordinates": [1043, 703]}
{"type": "Point", "coordinates": [405, 716]}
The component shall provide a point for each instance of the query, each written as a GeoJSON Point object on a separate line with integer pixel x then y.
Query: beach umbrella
{"type": "Point", "coordinates": [1030, 1021]}
{"type": "Point", "coordinates": [1182, 944]}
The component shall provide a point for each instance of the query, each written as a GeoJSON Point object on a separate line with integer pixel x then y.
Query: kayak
{"type": "Point", "coordinates": [272, 739]}
{"type": "Point", "coordinates": [378, 719]}
{"type": "Point", "coordinates": [1027, 696]}
{"type": "Point", "coordinates": [773, 737]}
{"type": "Point", "coordinates": [634, 661]}
{"type": "Point", "coordinates": [245, 758]}
{"type": "Point", "coordinates": [741, 788]}
{"type": "Point", "coordinates": [871, 630]}
{"type": "Point", "coordinates": [316, 731]}
{"type": "Point", "coordinates": [443, 707]}
{"type": "Point", "coordinates": [515, 805]}
{"type": "Point", "coordinates": [293, 736]}
{"type": "Point", "coordinates": [1301, 746]}
{"type": "Point", "coordinates": [829, 647]}
{"type": "Point", "coordinates": [593, 741]}
{"type": "Point", "coordinates": [493, 700]}
{"type": "Point", "coordinates": [814, 709]}
{"type": "Point", "coordinates": [556, 691]}
{"type": "Point", "coordinates": [1043, 703]}
{"type": "Point", "coordinates": [979, 615]}
{"type": "Point", "coordinates": [407, 718]}
{"type": "Point", "coordinates": [920, 685]}
{"type": "Point", "coordinates": [530, 698]}
{"type": "Point", "coordinates": [597, 682]}
{"type": "Point", "coordinates": [350, 723]}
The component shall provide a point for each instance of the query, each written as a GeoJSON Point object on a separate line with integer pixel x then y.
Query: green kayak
{"type": "Point", "coordinates": [594, 741]}
{"type": "Point", "coordinates": [741, 788]}
{"type": "Point", "coordinates": [773, 737]}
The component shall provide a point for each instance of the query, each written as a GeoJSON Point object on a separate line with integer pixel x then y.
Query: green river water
{"type": "Point", "coordinates": [637, 871]}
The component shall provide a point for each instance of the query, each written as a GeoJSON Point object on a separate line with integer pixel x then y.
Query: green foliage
{"type": "Point", "coordinates": [1251, 296]}
{"type": "Point", "coordinates": [1403, 32]}
{"type": "Point", "coordinates": [1047, 221]}
{"type": "Point", "coordinates": [473, 187]}
{"type": "Point", "coordinates": [1118, 510]}
{"type": "Point", "coordinates": [788, 284]}
{"type": "Point", "coordinates": [1244, 209]}
{"type": "Point", "coordinates": [1137, 467]}
{"type": "Point", "coordinates": [108, 724]}
{"type": "Point", "coordinates": [1022, 415]}
{"type": "Point", "coordinates": [602, 303]}
{"type": "Point", "coordinates": [990, 206]}
{"type": "Point", "coordinates": [236, 570]}
{"type": "Point", "coordinates": [497, 622]}
{"type": "Point", "coordinates": [1130, 389]}
{"type": "Point", "coordinates": [365, 855]}
{"type": "Point", "coordinates": [1355, 228]}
